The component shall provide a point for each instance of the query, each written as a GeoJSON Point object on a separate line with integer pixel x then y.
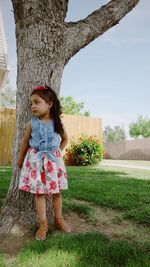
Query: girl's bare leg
{"type": "Point", "coordinates": [41, 212]}
{"type": "Point", "coordinates": [58, 220]}
{"type": "Point", "coordinates": [40, 207]}
{"type": "Point", "coordinates": [57, 205]}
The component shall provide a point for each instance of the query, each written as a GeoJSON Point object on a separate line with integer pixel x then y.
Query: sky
{"type": "Point", "coordinates": [112, 74]}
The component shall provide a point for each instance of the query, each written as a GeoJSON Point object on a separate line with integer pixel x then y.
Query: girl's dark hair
{"type": "Point", "coordinates": [55, 112]}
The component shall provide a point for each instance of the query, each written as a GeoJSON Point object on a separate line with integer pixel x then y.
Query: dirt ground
{"type": "Point", "coordinates": [106, 221]}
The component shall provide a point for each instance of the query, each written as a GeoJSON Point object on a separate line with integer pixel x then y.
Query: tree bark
{"type": "Point", "coordinates": [45, 43]}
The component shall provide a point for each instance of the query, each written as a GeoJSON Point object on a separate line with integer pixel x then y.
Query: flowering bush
{"type": "Point", "coordinates": [85, 151]}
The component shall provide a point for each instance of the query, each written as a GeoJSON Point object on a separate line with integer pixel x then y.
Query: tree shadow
{"type": "Point", "coordinates": [111, 189]}
{"type": "Point", "coordinates": [90, 249]}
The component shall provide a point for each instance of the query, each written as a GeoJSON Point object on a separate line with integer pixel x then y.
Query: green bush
{"type": "Point", "coordinates": [85, 151]}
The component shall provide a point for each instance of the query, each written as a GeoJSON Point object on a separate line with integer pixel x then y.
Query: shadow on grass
{"type": "Point", "coordinates": [112, 189]}
{"type": "Point", "coordinates": [80, 250]}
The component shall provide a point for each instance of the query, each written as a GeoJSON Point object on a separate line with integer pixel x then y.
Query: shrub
{"type": "Point", "coordinates": [85, 151]}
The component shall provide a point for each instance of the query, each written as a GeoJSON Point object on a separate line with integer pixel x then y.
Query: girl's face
{"type": "Point", "coordinates": [39, 107]}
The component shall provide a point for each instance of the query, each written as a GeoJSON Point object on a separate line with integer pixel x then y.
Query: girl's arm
{"type": "Point", "coordinates": [64, 140]}
{"type": "Point", "coordinates": [24, 146]}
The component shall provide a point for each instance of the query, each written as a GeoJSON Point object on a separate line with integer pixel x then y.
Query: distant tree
{"type": "Point", "coordinates": [70, 106]}
{"type": "Point", "coordinates": [114, 135]}
{"type": "Point", "coordinates": [140, 128]}
{"type": "Point", "coordinates": [108, 134]}
{"type": "Point", "coordinates": [86, 113]}
{"type": "Point", "coordinates": [8, 97]}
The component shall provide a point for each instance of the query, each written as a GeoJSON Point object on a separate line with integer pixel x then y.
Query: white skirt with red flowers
{"type": "Point", "coordinates": [43, 175]}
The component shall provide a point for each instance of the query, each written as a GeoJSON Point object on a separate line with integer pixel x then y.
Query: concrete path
{"type": "Point", "coordinates": [126, 165]}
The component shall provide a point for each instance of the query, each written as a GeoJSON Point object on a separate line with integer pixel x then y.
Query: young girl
{"type": "Point", "coordinates": [43, 170]}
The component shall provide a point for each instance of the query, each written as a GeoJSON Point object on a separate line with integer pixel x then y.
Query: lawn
{"type": "Point", "coordinates": [89, 188]}
{"type": "Point", "coordinates": [113, 187]}
{"type": "Point", "coordinates": [5, 174]}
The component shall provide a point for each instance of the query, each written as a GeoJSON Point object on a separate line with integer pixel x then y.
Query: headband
{"type": "Point", "coordinates": [39, 88]}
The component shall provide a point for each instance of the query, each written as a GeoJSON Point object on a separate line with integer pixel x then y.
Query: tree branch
{"type": "Point", "coordinates": [81, 33]}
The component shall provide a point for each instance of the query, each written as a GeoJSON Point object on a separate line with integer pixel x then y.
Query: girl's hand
{"type": "Point", "coordinates": [19, 163]}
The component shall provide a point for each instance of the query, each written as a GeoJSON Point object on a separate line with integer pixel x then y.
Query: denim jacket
{"type": "Point", "coordinates": [43, 136]}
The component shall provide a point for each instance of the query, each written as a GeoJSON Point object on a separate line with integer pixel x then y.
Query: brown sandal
{"type": "Point", "coordinates": [60, 225]}
{"type": "Point", "coordinates": [42, 231]}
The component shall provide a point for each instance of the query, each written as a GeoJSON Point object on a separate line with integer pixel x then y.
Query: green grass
{"type": "Point", "coordinates": [5, 174]}
{"type": "Point", "coordinates": [81, 209]}
{"type": "Point", "coordinates": [2, 261]}
{"type": "Point", "coordinates": [102, 186]}
{"type": "Point", "coordinates": [112, 188]}
{"type": "Point", "coordinates": [83, 250]}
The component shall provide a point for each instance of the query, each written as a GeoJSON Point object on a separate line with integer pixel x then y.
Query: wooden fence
{"type": "Point", "coordinates": [7, 131]}
{"type": "Point", "coordinates": [74, 125]}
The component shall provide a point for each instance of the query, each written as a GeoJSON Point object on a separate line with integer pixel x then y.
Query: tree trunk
{"type": "Point", "coordinates": [39, 63]}
{"type": "Point", "coordinates": [45, 43]}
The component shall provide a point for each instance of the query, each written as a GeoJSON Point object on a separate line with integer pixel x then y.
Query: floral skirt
{"type": "Point", "coordinates": [44, 175]}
